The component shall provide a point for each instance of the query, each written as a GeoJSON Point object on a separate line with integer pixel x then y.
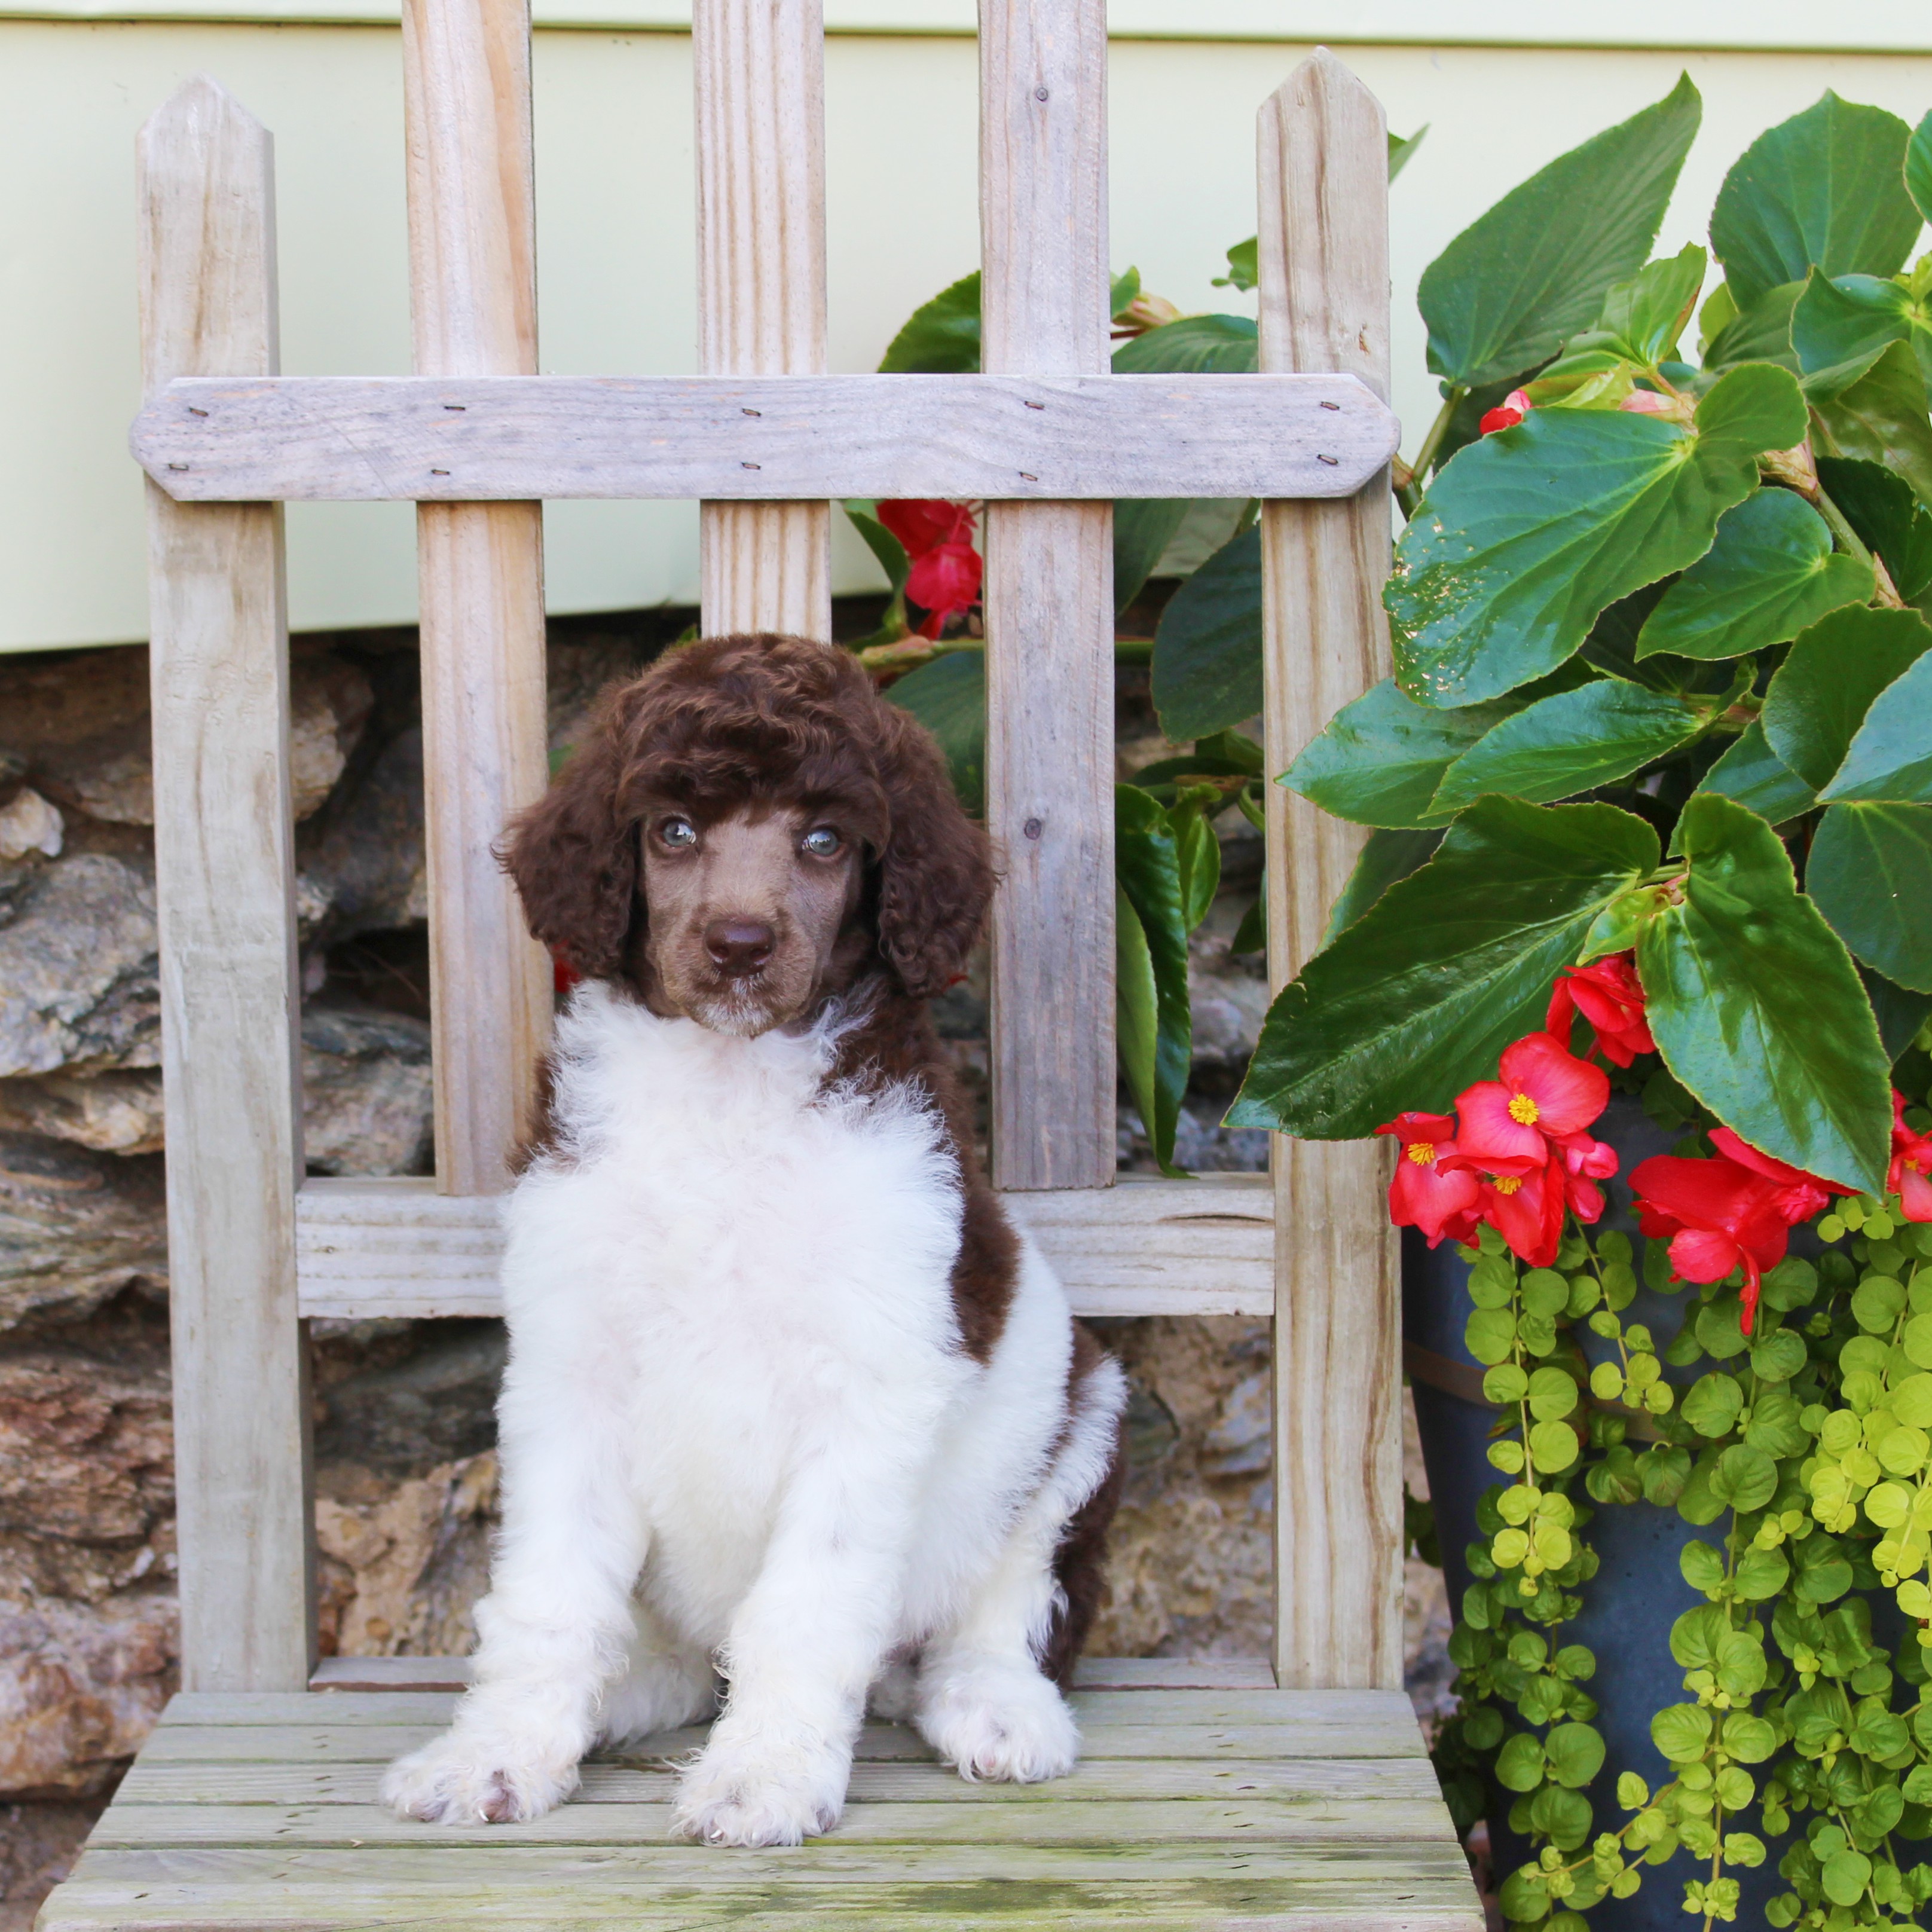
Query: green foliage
{"type": "Point", "coordinates": [1207, 674]}
{"type": "Point", "coordinates": [1528, 537]}
{"type": "Point", "coordinates": [1154, 856]}
{"type": "Point", "coordinates": [948, 697]}
{"type": "Point", "coordinates": [1503, 295]}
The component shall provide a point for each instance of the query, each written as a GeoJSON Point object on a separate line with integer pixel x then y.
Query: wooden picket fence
{"type": "Point", "coordinates": [226, 1817]}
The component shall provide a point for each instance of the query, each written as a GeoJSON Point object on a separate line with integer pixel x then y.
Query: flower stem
{"type": "Point", "coordinates": [1408, 494]}
{"type": "Point", "coordinates": [1849, 540]}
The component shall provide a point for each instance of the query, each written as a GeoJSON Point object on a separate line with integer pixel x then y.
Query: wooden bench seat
{"type": "Point", "coordinates": [1192, 1807]}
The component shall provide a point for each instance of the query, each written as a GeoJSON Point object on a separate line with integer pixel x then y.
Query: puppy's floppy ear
{"type": "Point", "coordinates": [936, 874]}
{"type": "Point", "coordinates": [574, 857]}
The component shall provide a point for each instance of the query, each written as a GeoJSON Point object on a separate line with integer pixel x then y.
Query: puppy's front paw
{"type": "Point", "coordinates": [1009, 1725]}
{"type": "Point", "coordinates": [469, 1779]}
{"type": "Point", "coordinates": [780, 1794]}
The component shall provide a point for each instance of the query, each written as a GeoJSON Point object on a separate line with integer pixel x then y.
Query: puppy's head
{"type": "Point", "coordinates": [747, 828]}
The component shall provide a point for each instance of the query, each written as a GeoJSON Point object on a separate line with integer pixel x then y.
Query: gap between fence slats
{"type": "Point", "coordinates": [1325, 304]}
{"type": "Point", "coordinates": [759, 71]}
{"type": "Point", "coordinates": [224, 874]}
{"type": "Point", "coordinates": [1049, 605]}
{"type": "Point", "coordinates": [473, 291]}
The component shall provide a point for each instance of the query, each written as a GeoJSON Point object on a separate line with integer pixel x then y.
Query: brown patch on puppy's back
{"type": "Point", "coordinates": [1080, 1563]}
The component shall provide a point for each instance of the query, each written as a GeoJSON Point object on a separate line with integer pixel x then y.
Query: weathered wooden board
{"type": "Point", "coordinates": [371, 1248]}
{"type": "Point", "coordinates": [760, 75]}
{"type": "Point", "coordinates": [1092, 1821]}
{"type": "Point", "coordinates": [224, 876]}
{"type": "Point", "coordinates": [472, 299]}
{"type": "Point", "coordinates": [368, 1674]}
{"type": "Point", "coordinates": [904, 1782]}
{"type": "Point", "coordinates": [1325, 303]}
{"type": "Point", "coordinates": [1350, 1713]}
{"type": "Point", "coordinates": [364, 438]}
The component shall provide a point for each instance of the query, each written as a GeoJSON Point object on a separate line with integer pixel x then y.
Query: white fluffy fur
{"type": "Point", "coordinates": [738, 1425]}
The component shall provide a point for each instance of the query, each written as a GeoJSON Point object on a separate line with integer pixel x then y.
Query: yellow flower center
{"type": "Point", "coordinates": [1523, 1109]}
{"type": "Point", "coordinates": [1508, 1184]}
{"type": "Point", "coordinates": [1422, 1153]}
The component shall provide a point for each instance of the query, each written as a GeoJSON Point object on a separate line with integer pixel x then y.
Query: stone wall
{"type": "Point", "coordinates": [406, 1471]}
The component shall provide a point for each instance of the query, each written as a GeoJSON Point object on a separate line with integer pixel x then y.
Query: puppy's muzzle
{"type": "Point", "coordinates": [739, 948]}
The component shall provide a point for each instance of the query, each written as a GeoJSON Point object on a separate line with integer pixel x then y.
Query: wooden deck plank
{"type": "Point", "coordinates": [1090, 1822]}
{"type": "Point", "coordinates": [192, 1782]}
{"type": "Point", "coordinates": [1095, 1707]}
{"type": "Point", "coordinates": [1090, 1673]}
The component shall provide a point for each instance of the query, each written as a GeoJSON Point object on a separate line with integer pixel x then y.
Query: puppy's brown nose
{"type": "Point", "coordinates": [738, 946]}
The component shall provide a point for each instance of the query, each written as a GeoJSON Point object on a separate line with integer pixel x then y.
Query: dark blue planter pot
{"type": "Point", "coordinates": [1638, 1591]}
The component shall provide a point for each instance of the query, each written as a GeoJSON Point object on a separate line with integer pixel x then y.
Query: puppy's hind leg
{"type": "Point", "coordinates": [666, 1683]}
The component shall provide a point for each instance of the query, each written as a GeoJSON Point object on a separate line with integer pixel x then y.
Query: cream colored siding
{"type": "Point", "coordinates": [615, 224]}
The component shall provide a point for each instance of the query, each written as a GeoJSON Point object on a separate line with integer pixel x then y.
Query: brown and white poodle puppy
{"type": "Point", "coordinates": [788, 1397]}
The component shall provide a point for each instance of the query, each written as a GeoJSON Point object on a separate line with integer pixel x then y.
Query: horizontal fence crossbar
{"type": "Point", "coordinates": [440, 439]}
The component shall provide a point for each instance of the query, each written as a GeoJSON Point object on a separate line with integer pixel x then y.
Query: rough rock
{"type": "Point", "coordinates": [28, 823]}
{"type": "Point", "coordinates": [77, 967]}
{"type": "Point", "coordinates": [365, 849]}
{"type": "Point", "coordinates": [112, 1113]}
{"type": "Point", "coordinates": [75, 1228]}
{"type": "Point", "coordinates": [403, 1563]}
{"type": "Point", "coordinates": [367, 1099]}
{"type": "Point", "coordinates": [433, 1401]}
{"type": "Point", "coordinates": [38, 1845]}
{"type": "Point", "coordinates": [80, 1687]}
{"type": "Point", "coordinates": [79, 722]}
{"type": "Point", "coordinates": [578, 670]}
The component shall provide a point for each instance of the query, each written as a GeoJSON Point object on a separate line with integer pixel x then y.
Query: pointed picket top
{"type": "Point", "coordinates": [206, 168]}
{"type": "Point", "coordinates": [1324, 235]}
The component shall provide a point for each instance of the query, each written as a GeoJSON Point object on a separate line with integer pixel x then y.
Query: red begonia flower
{"type": "Point", "coordinates": [1798, 1195]}
{"type": "Point", "coordinates": [1718, 1215]}
{"type": "Point", "coordinates": [1911, 1164]}
{"type": "Point", "coordinates": [921, 523]}
{"type": "Point", "coordinates": [1586, 1162]}
{"type": "Point", "coordinates": [1545, 1093]}
{"type": "Point", "coordinates": [1424, 1194]}
{"type": "Point", "coordinates": [1527, 1211]}
{"type": "Point", "coordinates": [1506, 414]}
{"type": "Point", "coordinates": [1610, 998]}
{"type": "Point", "coordinates": [946, 579]}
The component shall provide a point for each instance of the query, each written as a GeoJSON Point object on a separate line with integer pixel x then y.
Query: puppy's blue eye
{"type": "Point", "coordinates": [679, 833]}
{"type": "Point", "coordinates": [822, 842]}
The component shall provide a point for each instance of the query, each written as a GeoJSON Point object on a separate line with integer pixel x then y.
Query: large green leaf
{"type": "Point", "coordinates": [1382, 757]}
{"type": "Point", "coordinates": [1214, 344]}
{"type": "Point", "coordinates": [1771, 572]}
{"type": "Point", "coordinates": [1502, 296]}
{"type": "Point", "coordinates": [1841, 326]}
{"type": "Point", "coordinates": [1137, 1013]}
{"type": "Point", "coordinates": [1417, 996]}
{"type": "Point", "coordinates": [1753, 774]}
{"type": "Point", "coordinates": [948, 697]}
{"type": "Point", "coordinates": [1869, 873]}
{"type": "Point", "coordinates": [1572, 741]}
{"type": "Point", "coordinates": [1880, 507]}
{"type": "Point", "coordinates": [1882, 418]}
{"type": "Point", "coordinates": [1757, 1008]}
{"type": "Point", "coordinates": [941, 337]}
{"type": "Point", "coordinates": [1387, 856]}
{"type": "Point", "coordinates": [862, 513]}
{"type": "Point", "coordinates": [1822, 189]}
{"type": "Point", "coordinates": [1147, 864]}
{"type": "Point", "coordinates": [1207, 670]}
{"type": "Point", "coordinates": [1760, 334]}
{"type": "Point", "coordinates": [1889, 760]}
{"type": "Point", "coordinates": [1900, 1014]}
{"type": "Point", "coordinates": [1815, 703]}
{"type": "Point", "coordinates": [1917, 167]}
{"type": "Point", "coordinates": [1527, 535]}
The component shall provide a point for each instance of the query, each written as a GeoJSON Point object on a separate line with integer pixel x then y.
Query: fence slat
{"type": "Point", "coordinates": [472, 293]}
{"type": "Point", "coordinates": [224, 869]}
{"type": "Point", "coordinates": [760, 78]}
{"type": "Point", "coordinates": [1325, 304]}
{"type": "Point", "coordinates": [1049, 602]}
